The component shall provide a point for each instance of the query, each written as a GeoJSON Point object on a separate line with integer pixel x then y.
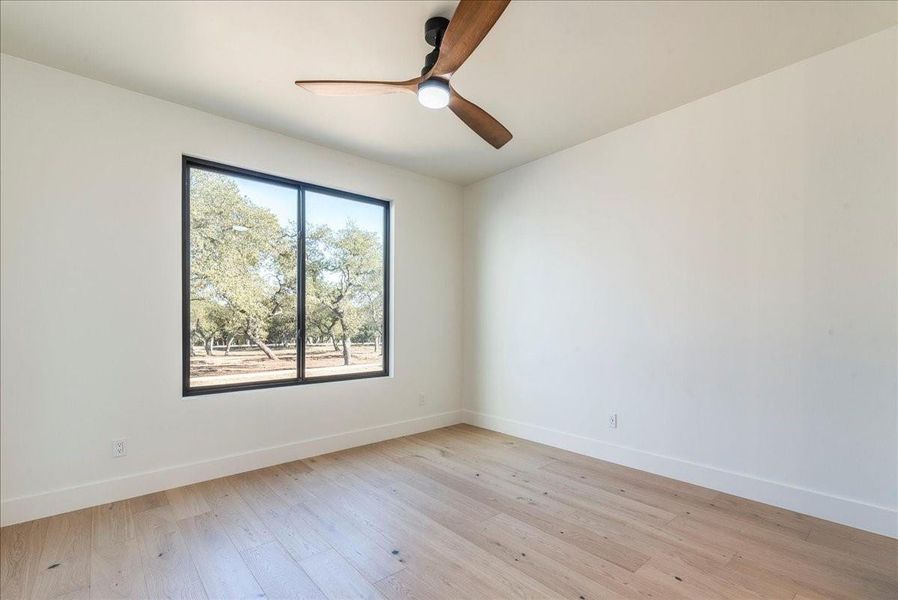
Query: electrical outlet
{"type": "Point", "coordinates": [612, 421]}
{"type": "Point", "coordinates": [119, 448]}
{"type": "Point", "coordinates": [421, 399]}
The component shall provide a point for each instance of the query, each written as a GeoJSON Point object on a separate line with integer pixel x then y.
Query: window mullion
{"type": "Point", "coordinates": [301, 284]}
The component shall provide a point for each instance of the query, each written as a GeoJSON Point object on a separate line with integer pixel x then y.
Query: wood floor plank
{"type": "Point", "coordinates": [385, 472]}
{"type": "Point", "coordinates": [813, 569]}
{"type": "Point", "coordinates": [763, 542]}
{"type": "Point", "coordinates": [811, 596]}
{"type": "Point", "coordinates": [441, 568]}
{"type": "Point", "coordinates": [836, 530]}
{"type": "Point", "coordinates": [763, 515]}
{"type": "Point", "coordinates": [337, 578]}
{"type": "Point", "coordinates": [445, 507]}
{"type": "Point", "coordinates": [187, 501]}
{"type": "Point", "coordinates": [438, 568]}
{"type": "Point", "coordinates": [410, 529]}
{"type": "Point", "coordinates": [168, 568]}
{"type": "Point", "coordinates": [405, 585]}
{"type": "Point", "coordinates": [288, 526]}
{"type": "Point", "coordinates": [20, 553]}
{"type": "Point", "coordinates": [537, 454]}
{"type": "Point", "coordinates": [878, 550]}
{"type": "Point", "coordinates": [279, 574]}
{"type": "Point", "coordinates": [542, 512]}
{"type": "Point", "coordinates": [241, 523]}
{"type": "Point", "coordinates": [764, 583]}
{"type": "Point", "coordinates": [442, 512]}
{"type": "Point", "coordinates": [79, 594]}
{"type": "Point", "coordinates": [372, 560]}
{"type": "Point", "coordinates": [557, 576]}
{"type": "Point", "coordinates": [219, 564]}
{"type": "Point", "coordinates": [540, 481]}
{"type": "Point", "coordinates": [626, 475]}
{"type": "Point", "coordinates": [147, 502]}
{"type": "Point", "coordinates": [520, 536]}
{"type": "Point", "coordinates": [116, 570]}
{"type": "Point", "coordinates": [640, 535]}
{"type": "Point", "coordinates": [676, 502]}
{"type": "Point", "coordinates": [112, 524]}
{"type": "Point", "coordinates": [678, 575]}
{"type": "Point", "coordinates": [64, 566]}
{"type": "Point", "coordinates": [454, 513]}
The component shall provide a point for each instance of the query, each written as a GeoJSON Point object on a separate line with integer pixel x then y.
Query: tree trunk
{"type": "Point", "coordinates": [376, 339]}
{"type": "Point", "coordinates": [261, 345]}
{"type": "Point", "coordinates": [228, 347]}
{"type": "Point", "coordinates": [207, 344]}
{"type": "Point", "coordinates": [347, 349]}
{"type": "Point", "coordinates": [347, 345]}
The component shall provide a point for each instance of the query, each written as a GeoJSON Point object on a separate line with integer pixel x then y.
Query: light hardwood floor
{"type": "Point", "coordinates": [454, 513]}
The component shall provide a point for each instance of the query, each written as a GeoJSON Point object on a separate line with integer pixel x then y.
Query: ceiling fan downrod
{"type": "Point", "coordinates": [434, 29]}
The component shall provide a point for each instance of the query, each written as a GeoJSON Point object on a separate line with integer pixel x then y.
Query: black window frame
{"type": "Point", "coordinates": [189, 162]}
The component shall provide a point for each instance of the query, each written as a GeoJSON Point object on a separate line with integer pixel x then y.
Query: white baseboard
{"type": "Point", "coordinates": [878, 519]}
{"type": "Point", "coordinates": [26, 508]}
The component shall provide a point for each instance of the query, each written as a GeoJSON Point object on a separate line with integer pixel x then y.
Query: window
{"type": "Point", "coordinates": [284, 282]}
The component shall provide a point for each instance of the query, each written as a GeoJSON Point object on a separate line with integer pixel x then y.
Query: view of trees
{"type": "Point", "coordinates": [243, 288]}
{"type": "Point", "coordinates": [242, 269]}
{"type": "Point", "coordinates": [344, 286]}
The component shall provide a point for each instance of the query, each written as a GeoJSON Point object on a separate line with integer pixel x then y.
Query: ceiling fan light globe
{"type": "Point", "coordinates": [433, 93]}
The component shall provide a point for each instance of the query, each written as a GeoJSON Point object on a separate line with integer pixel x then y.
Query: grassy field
{"type": "Point", "coordinates": [245, 364]}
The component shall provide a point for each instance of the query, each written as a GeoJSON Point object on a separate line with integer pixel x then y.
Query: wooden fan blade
{"type": "Point", "coordinates": [479, 120]}
{"type": "Point", "coordinates": [472, 20]}
{"type": "Point", "coordinates": [359, 88]}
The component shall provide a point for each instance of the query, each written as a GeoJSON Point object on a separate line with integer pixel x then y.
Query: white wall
{"type": "Point", "coordinates": [91, 300]}
{"type": "Point", "coordinates": [723, 276]}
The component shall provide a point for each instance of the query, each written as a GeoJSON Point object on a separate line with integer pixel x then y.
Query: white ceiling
{"type": "Point", "coordinates": [554, 73]}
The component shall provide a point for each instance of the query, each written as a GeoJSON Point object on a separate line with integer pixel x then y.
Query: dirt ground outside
{"type": "Point", "coordinates": [248, 364]}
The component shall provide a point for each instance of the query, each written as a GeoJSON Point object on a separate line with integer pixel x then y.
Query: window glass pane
{"type": "Point", "coordinates": [243, 266]}
{"type": "Point", "coordinates": [344, 286]}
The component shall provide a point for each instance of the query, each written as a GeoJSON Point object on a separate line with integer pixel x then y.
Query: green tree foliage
{"type": "Point", "coordinates": [243, 265]}
{"type": "Point", "coordinates": [243, 274]}
{"type": "Point", "coordinates": [344, 284]}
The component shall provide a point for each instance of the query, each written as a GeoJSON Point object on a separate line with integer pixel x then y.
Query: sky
{"type": "Point", "coordinates": [278, 199]}
{"type": "Point", "coordinates": [320, 208]}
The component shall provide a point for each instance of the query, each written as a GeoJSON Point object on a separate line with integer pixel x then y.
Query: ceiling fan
{"type": "Point", "coordinates": [453, 43]}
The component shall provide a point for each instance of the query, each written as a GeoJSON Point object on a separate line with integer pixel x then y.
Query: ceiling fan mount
{"type": "Point", "coordinates": [434, 29]}
{"type": "Point", "coordinates": [453, 42]}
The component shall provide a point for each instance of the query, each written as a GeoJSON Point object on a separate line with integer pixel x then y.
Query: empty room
{"type": "Point", "coordinates": [444, 300]}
